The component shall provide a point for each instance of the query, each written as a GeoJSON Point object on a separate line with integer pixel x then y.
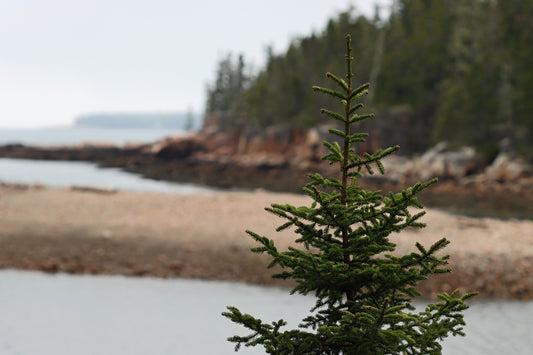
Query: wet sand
{"type": "Point", "coordinates": [202, 236]}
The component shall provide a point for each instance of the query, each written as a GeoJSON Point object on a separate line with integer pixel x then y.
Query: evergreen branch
{"type": "Point", "coordinates": [355, 95]}
{"type": "Point", "coordinates": [355, 108]}
{"type": "Point", "coordinates": [333, 115]}
{"type": "Point", "coordinates": [357, 118]}
{"type": "Point", "coordinates": [395, 206]}
{"type": "Point", "coordinates": [330, 92]}
{"type": "Point", "coordinates": [380, 167]}
{"type": "Point", "coordinates": [335, 154]}
{"type": "Point", "coordinates": [380, 154]}
{"type": "Point", "coordinates": [337, 132]}
{"type": "Point", "coordinates": [284, 226]}
{"type": "Point", "coordinates": [359, 90]}
{"type": "Point", "coordinates": [310, 235]}
{"type": "Point", "coordinates": [357, 137]}
{"type": "Point", "coordinates": [339, 81]}
{"type": "Point", "coordinates": [324, 205]}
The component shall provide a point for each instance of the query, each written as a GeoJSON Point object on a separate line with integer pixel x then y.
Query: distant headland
{"type": "Point", "coordinates": [142, 120]}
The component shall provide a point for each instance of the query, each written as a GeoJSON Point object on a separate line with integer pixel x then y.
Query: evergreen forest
{"type": "Point", "coordinates": [441, 70]}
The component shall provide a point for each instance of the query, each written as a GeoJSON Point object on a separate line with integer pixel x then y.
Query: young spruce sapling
{"type": "Point", "coordinates": [363, 292]}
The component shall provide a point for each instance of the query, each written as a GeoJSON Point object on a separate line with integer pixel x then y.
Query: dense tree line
{"type": "Point", "coordinates": [458, 70]}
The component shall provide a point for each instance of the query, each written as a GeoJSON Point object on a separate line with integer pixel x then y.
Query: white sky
{"type": "Point", "coordinates": [63, 58]}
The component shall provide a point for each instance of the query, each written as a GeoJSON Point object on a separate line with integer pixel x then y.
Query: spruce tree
{"type": "Point", "coordinates": [363, 292]}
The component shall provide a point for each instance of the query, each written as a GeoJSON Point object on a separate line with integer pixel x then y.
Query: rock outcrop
{"type": "Point", "coordinates": [504, 168]}
{"type": "Point", "coordinates": [280, 158]}
{"type": "Point", "coordinates": [439, 161]}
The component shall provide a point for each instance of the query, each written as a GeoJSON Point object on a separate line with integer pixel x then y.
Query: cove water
{"type": "Point", "coordinates": [67, 314]}
{"type": "Point", "coordinates": [66, 173]}
{"type": "Point", "coordinates": [63, 173]}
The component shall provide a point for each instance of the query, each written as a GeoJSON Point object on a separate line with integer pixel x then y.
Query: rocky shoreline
{"type": "Point", "coordinates": [280, 160]}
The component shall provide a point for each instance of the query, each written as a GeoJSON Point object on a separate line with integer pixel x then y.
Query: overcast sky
{"type": "Point", "coordinates": [63, 58]}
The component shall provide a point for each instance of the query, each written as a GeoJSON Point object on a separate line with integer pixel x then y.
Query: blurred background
{"type": "Point", "coordinates": [201, 98]}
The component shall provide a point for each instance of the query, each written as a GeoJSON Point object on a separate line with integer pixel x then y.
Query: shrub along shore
{"type": "Point", "coordinates": [202, 236]}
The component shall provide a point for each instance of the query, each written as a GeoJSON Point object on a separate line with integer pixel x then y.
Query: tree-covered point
{"type": "Point", "coordinates": [459, 70]}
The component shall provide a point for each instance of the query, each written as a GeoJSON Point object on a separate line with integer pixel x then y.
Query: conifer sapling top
{"type": "Point", "coordinates": [342, 255]}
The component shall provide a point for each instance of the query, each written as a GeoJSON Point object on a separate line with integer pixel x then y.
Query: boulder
{"type": "Point", "coordinates": [444, 163]}
{"type": "Point", "coordinates": [504, 168]}
{"type": "Point", "coordinates": [178, 148]}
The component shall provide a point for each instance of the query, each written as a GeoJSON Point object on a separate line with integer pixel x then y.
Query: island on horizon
{"type": "Point", "coordinates": [185, 120]}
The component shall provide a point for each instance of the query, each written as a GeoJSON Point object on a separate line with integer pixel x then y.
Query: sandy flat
{"type": "Point", "coordinates": [202, 235]}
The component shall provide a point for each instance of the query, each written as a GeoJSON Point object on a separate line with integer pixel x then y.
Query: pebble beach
{"type": "Point", "coordinates": [203, 236]}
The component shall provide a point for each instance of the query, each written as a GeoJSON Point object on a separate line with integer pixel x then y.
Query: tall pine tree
{"type": "Point", "coordinates": [363, 293]}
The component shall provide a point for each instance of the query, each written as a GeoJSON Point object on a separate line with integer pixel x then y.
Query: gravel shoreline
{"type": "Point", "coordinates": [202, 236]}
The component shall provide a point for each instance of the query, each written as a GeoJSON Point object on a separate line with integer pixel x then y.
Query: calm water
{"type": "Point", "coordinates": [64, 173]}
{"type": "Point", "coordinates": [65, 314]}
{"type": "Point", "coordinates": [77, 135]}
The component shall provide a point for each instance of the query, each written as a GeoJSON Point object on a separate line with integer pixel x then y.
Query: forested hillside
{"type": "Point", "coordinates": [454, 70]}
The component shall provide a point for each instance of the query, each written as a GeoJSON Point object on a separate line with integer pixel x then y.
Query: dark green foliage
{"type": "Point", "coordinates": [460, 68]}
{"type": "Point", "coordinates": [476, 95]}
{"type": "Point", "coordinates": [278, 94]}
{"type": "Point", "coordinates": [345, 258]}
{"type": "Point", "coordinates": [225, 95]}
{"type": "Point", "coordinates": [415, 63]}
